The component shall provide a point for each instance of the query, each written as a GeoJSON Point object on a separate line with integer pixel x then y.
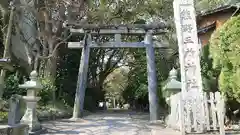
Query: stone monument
{"type": "Point", "coordinates": [173, 90]}
{"type": "Point", "coordinates": [30, 116]}
{"type": "Point", "coordinates": [189, 56]}
{"type": "Point", "coordinates": [14, 127]}
{"type": "Point", "coordinates": [14, 111]}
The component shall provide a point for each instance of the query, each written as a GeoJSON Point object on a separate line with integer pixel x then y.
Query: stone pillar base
{"type": "Point", "coordinates": [34, 125]}
{"type": "Point", "coordinates": [30, 116]}
{"type": "Point", "coordinates": [172, 123]}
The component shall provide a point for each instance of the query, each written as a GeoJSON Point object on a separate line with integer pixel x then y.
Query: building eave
{"type": "Point", "coordinates": [216, 10]}
{"type": "Point", "coordinates": [207, 28]}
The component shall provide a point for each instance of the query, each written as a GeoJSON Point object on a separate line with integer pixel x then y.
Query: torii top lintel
{"type": "Point", "coordinates": [129, 29]}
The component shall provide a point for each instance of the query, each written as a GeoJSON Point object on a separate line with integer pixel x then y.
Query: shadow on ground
{"type": "Point", "coordinates": [107, 123]}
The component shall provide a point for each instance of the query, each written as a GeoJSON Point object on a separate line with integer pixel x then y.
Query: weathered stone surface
{"type": "Point", "coordinates": [19, 129]}
{"type": "Point", "coordinates": [173, 90]}
{"type": "Point", "coordinates": [173, 120]}
{"type": "Point", "coordinates": [189, 56]}
{"type": "Point", "coordinates": [30, 116]}
{"type": "Point", "coordinates": [14, 111]}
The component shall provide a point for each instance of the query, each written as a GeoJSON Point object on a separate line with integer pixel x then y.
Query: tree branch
{"type": "Point", "coordinates": [55, 48]}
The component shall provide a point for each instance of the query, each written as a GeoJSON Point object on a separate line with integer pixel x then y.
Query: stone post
{"type": "Point", "coordinates": [82, 80]}
{"type": "Point", "coordinates": [189, 56]}
{"type": "Point", "coordinates": [14, 111]}
{"type": "Point", "coordinates": [30, 116]}
{"type": "Point", "coordinates": [152, 78]}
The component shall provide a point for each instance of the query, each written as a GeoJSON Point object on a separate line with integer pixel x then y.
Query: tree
{"type": "Point", "coordinates": [39, 44]}
{"type": "Point", "coordinates": [209, 74]}
{"type": "Point", "coordinates": [7, 38]}
{"type": "Point", "coordinates": [116, 12]}
{"type": "Point", "coordinates": [225, 48]}
{"type": "Point", "coordinates": [115, 84]}
{"type": "Point", "coordinates": [116, 81]}
{"type": "Point", "coordinates": [38, 33]}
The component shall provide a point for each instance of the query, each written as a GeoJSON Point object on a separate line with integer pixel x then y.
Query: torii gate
{"type": "Point", "coordinates": [117, 30]}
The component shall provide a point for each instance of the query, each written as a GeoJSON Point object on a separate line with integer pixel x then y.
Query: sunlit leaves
{"type": "Point", "coordinates": [225, 50]}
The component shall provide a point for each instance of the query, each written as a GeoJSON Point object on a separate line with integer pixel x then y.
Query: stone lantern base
{"type": "Point", "coordinates": [173, 120]}
{"type": "Point", "coordinates": [30, 116]}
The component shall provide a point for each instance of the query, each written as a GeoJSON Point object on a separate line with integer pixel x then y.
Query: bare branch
{"type": "Point", "coordinates": [3, 29]}
{"type": "Point", "coordinates": [55, 48]}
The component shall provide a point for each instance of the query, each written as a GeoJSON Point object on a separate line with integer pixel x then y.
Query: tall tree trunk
{"type": "Point", "coordinates": [24, 39]}
{"type": "Point", "coordinates": [51, 70]}
{"type": "Point", "coordinates": [6, 51]}
{"type": "Point", "coordinates": [51, 64]}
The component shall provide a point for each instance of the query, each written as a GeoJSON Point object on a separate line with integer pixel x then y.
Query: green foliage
{"type": "Point", "coordinates": [116, 82]}
{"type": "Point", "coordinates": [47, 93]}
{"type": "Point", "coordinates": [58, 107]}
{"type": "Point", "coordinates": [209, 75]}
{"type": "Point", "coordinates": [225, 51]}
{"type": "Point", "coordinates": [11, 87]}
{"type": "Point", "coordinates": [128, 11]}
{"type": "Point", "coordinates": [137, 84]}
{"type": "Point", "coordinates": [67, 75]}
{"type": "Point", "coordinates": [141, 91]}
{"type": "Point", "coordinates": [3, 116]}
{"type": "Point", "coordinates": [107, 11]}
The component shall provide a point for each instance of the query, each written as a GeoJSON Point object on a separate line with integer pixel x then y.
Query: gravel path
{"type": "Point", "coordinates": [124, 123]}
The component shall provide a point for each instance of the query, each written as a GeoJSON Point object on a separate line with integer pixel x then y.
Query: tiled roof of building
{"type": "Point", "coordinates": [219, 9]}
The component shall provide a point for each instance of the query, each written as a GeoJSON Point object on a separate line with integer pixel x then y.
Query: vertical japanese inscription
{"type": "Point", "coordinates": [187, 22]}
{"type": "Point", "coordinates": [185, 14]}
{"type": "Point", "coordinates": [187, 28]}
{"type": "Point", "coordinates": [189, 57]}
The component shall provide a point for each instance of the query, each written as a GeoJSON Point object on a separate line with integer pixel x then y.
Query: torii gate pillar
{"type": "Point", "coordinates": [152, 78]}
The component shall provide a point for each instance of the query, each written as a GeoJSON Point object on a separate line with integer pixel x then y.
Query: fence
{"type": "Point", "coordinates": [212, 114]}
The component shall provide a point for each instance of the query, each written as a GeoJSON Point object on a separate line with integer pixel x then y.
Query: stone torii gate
{"type": "Point", "coordinates": [117, 31]}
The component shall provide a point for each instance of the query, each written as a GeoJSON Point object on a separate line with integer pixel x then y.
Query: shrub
{"type": "Point", "coordinates": [11, 87]}
{"type": "Point", "coordinates": [225, 51]}
{"type": "Point", "coordinates": [3, 116]}
{"type": "Point", "coordinates": [47, 93]}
